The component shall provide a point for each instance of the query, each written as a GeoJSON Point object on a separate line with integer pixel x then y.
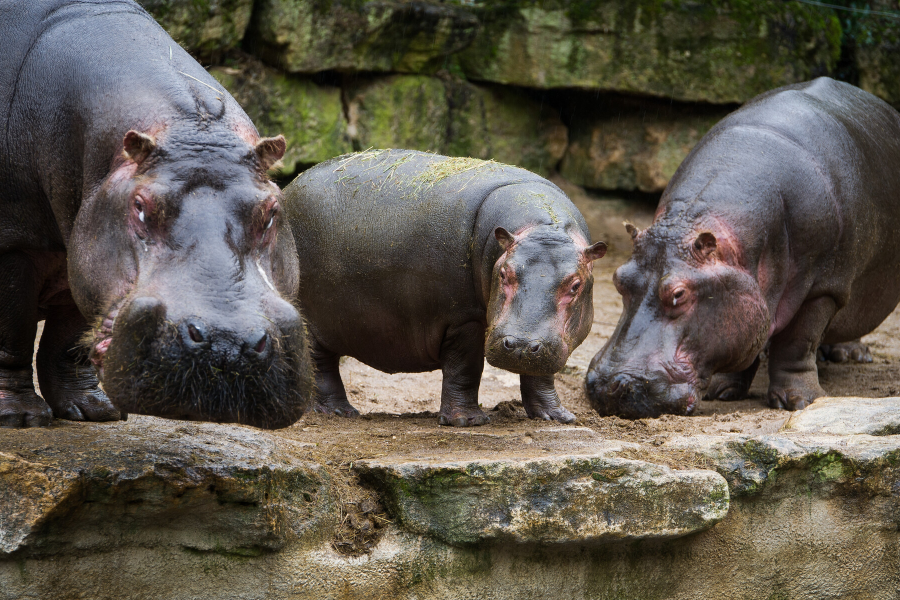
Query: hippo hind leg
{"type": "Point", "coordinates": [68, 380]}
{"type": "Point", "coordinates": [732, 386]}
{"type": "Point", "coordinates": [840, 353]}
{"type": "Point", "coordinates": [793, 377]}
{"type": "Point", "coordinates": [462, 363]}
{"type": "Point", "coordinates": [20, 406]}
{"type": "Point", "coordinates": [331, 397]}
{"type": "Point", "coordinates": [541, 400]}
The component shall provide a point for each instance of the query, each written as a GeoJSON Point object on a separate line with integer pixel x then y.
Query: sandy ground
{"type": "Point", "coordinates": [402, 402]}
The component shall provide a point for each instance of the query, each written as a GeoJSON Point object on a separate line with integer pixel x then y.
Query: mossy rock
{"type": "Point", "coordinates": [456, 118]}
{"type": "Point", "coordinates": [204, 27]}
{"type": "Point", "coordinates": [308, 36]}
{"type": "Point", "coordinates": [310, 116]}
{"type": "Point", "coordinates": [615, 147]}
{"type": "Point", "coordinates": [722, 51]}
{"type": "Point", "coordinates": [877, 51]}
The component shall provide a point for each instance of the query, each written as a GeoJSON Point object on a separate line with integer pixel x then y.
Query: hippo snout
{"type": "Point", "coordinates": [524, 354]}
{"type": "Point", "coordinates": [248, 366]}
{"type": "Point", "coordinates": [637, 397]}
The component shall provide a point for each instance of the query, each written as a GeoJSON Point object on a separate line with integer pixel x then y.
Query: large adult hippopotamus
{"type": "Point", "coordinates": [414, 262]}
{"type": "Point", "coordinates": [135, 214]}
{"type": "Point", "coordinates": [779, 228]}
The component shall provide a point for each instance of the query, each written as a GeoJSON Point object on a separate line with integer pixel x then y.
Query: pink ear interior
{"type": "Point", "coordinates": [705, 243]}
{"type": "Point", "coordinates": [595, 251]}
{"type": "Point", "coordinates": [504, 237]}
{"type": "Point", "coordinates": [270, 151]}
{"type": "Point", "coordinates": [138, 146]}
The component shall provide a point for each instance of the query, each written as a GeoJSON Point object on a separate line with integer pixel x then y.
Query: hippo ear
{"type": "Point", "coordinates": [504, 237]}
{"type": "Point", "coordinates": [270, 151]}
{"type": "Point", "coordinates": [631, 229]}
{"type": "Point", "coordinates": [705, 244]}
{"type": "Point", "coordinates": [138, 146]}
{"type": "Point", "coordinates": [595, 251]}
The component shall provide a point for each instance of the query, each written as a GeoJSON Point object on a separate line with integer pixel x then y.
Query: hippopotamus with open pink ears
{"type": "Point", "coordinates": [414, 262]}
{"type": "Point", "coordinates": [137, 220]}
{"type": "Point", "coordinates": [780, 229]}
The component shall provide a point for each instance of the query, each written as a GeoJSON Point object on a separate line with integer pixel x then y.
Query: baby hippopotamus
{"type": "Point", "coordinates": [413, 262]}
{"type": "Point", "coordinates": [779, 229]}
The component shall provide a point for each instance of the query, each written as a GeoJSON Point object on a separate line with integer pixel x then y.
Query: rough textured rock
{"type": "Point", "coordinates": [560, 499]}
{"type": "Point", "coordinates": [308, 36]}
{"type": "Point", "coordinates": [810, 516]}
{"type": "Point", "coordinates": [159, 483]}
{"type": "Point", "coordinates": [632, 147]}
{"type": "Point", "coordinates": [848, 416]}
{"type": "Point", "coordinates": [204, 27]}
{"type": "Point", "coordinates": [309, 115]}
{"type": "Point", "coordinates": [877, 50]}
{"type": "Point", "coordinates": [721, 52]}
{"type": "Point", "coordinates": [455, 118]}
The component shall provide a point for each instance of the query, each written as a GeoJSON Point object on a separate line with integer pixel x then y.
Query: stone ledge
{"type": "Point", "coordinates": [848, 416]}
{"type": "Point", "coordinates": [560, 499]}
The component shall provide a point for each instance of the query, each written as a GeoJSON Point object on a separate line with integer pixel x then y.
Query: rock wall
{"type": "Point", "coordinates": [153, 508]}
{"type": "Point", "coordinates": [611, 93]}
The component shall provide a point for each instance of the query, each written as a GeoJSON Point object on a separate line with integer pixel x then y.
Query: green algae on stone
{"type": "Point", "coordinates": [308, 36]}
{"type": "Point", "coordinates": [877, 50]}
{"type": "Point", "coordinates": [204, 27]}
{"type": "Point", "coordinates": [616, 147]}
{"type": "Point", "coordinates": [552, 500]}
{"type": "Point", "coordinates": [309, 115]}
{"type": "Point", "coordinates": [723, 51]}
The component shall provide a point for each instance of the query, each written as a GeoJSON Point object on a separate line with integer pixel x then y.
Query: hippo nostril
{"type": "Point", "coordinates": [535, 347]}
{"type": "Point", "coordinates": [257, 342]}
{"type": "Point", "coordinates": [508, 343]}
{"type": "Point", "coordinates": [195, 334]}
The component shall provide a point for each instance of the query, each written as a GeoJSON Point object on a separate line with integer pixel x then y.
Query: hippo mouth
{"type": "Point", "coordinates": [525, 357]}
{"type": "Point", "coordinates": [151, 370]}
{"type": "Point", "coordinates": [674, 391]}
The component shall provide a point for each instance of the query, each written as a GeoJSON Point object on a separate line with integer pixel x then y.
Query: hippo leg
{"type": "Point", "coordinates": [793, 377]}
{"type": "Point", "coordinates": [839, 353]}
{"type": "Point", "coordinates": [462, 363]}
{"type": "Point", "coordinates": [540, 399]}
{"type": "Point", "coordinates": [68, 381]}
{"type": "Point", "coordinates": [20, 406]}
{"type": "Point", "coordinates": [331, 397]}
{"type": "Point", "coordinates": [732, 386]}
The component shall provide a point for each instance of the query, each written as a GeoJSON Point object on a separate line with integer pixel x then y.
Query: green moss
{"type": "Point", "coordinates": [203, 27]}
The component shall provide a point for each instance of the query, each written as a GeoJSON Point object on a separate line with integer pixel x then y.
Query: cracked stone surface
{"type": "Point", "coordinates": [848, 416]}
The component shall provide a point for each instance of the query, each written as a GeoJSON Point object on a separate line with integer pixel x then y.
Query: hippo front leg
{"type": "Point", "coordinates": [793, 376]}
{"type": "Point", "coordinates": [20, 406]}
{"type": "Point", "coordinates": [331, 397]}
{"type": "Point", "coordinates": [462, 363]}
{"type": "Point", "coordinates": [541, 400]}
{"type": "Point", "coordinates": [68, 381]}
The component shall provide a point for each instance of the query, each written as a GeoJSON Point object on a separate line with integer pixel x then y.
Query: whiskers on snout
{"type": "Point", "coordinates": [188, 371]}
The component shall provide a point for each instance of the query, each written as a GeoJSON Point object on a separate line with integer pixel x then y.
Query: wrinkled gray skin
{"type": "Point", "coordinates": [414, 262]}
{"type": "Point", "coordinates": [136, 217]}
{"type": "Point", "coordinates": [779, 228]}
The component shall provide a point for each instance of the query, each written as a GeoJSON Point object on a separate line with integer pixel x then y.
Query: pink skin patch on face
{"type": "Point", "coordinates": [246, 132]}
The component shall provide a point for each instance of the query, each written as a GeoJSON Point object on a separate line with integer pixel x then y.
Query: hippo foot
{"type": "Point", "coordinates": [793, 398]}
{"type": "Point", "coordinates": [847, 351]}
{"type": "Point", "coordinates": [336, 406]}
{"type": "Point", "coordinates": [25, 409]}
{"type": "Point", "coordinates": [727, 387]}
{"type": "Point", "coordinates": [92, 405]}
{"type": "Point", "coordinates": [464, 417]}
{"type": "Point", "coordinates": [549, 413]}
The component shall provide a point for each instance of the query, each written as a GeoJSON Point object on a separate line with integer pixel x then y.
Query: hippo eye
{"type": "Point", "coordinates": [576, 286]}
{"type": "Point", "coordinates": [678, 295]}
{"type": "Point", "coordinates": [269, 224]}
{"type": "Point", "coordinates": [139, 206]}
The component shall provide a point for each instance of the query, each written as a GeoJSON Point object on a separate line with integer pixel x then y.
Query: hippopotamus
{"type": "Point", "coordinates": [778, 231]}
{"type": "Point", "coordinates": [137, 221]}
{"type": "Point", "coordinates": [414, 262]}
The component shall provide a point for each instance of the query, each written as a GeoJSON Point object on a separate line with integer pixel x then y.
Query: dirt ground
{"type": "Point", "coordinates": [393, 405]}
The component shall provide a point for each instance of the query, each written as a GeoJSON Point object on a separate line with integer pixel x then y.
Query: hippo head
{"type": "Point", "coordinates": [183, 263]}
{"type": "Point", "coordinates": [541, 299]}
{"type": "Point", "coordinates": [691, 309]}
